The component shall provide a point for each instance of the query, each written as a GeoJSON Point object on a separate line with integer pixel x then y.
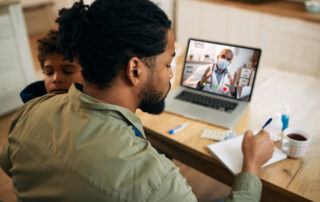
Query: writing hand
{"type": "Point", "coordinates": [257, 150]}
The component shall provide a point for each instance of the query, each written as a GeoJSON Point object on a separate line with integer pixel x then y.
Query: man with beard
{"type": "Point", "coordinates": [88, 145]}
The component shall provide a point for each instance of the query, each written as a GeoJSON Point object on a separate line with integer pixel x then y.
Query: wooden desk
{"type": "Point", "coordinates": [287, 180]}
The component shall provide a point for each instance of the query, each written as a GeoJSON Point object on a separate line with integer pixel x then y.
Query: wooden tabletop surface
{"type": "Point", "coordinates": [290, 179]}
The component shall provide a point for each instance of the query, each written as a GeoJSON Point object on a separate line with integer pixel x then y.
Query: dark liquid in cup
{"type": "Point", "coordinates": [297, 137]}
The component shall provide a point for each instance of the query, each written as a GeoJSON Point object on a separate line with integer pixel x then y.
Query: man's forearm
{"type": "Point", "coordinates": [247, 187]}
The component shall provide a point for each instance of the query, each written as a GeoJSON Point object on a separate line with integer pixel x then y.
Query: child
{"type": "Point", "coordinates": [59, 74]}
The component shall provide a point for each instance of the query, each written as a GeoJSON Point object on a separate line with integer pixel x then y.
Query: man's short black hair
{"type": "Point", "coordinates": [107, 34]}
{"type": "Point", "coordinates": [48, 45]}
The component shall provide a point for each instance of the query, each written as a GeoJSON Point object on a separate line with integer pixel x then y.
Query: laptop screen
{"type": "Point", "coordinates": [222, 69]}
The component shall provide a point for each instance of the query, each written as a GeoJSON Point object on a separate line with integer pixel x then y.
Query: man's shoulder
{"type": "Point", "coordinates": [36, 101]}
{"type": "Point", "coordinates": [204, 67]}
{"type": "Point", "coordinates": [25, 109]}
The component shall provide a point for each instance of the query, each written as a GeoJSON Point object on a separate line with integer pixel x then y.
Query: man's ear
{"type": "Point", "coordinates": [134, 70]}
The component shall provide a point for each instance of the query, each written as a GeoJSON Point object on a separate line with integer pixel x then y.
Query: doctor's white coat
{"type": "Point", "coordinates": [221, 88]}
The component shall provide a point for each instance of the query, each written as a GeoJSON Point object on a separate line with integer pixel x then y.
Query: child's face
{"type": "Point", "coordinates": [59, 74]}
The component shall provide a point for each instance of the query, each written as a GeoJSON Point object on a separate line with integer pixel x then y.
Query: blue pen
{"type": "Point", "coordinates": [267, 123]}
{"type": "Point", "coordinates": [178, 128]}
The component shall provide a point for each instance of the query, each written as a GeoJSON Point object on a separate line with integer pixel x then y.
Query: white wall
{"type": "Point", "coordinates": [40, 15]}
{"type": "Point", "coordinates": [167, 6]}
{"type": "Point", "coordinates": [287, 43]}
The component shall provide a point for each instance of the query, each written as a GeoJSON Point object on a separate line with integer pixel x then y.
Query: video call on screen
{"type": "Point", "coordinates": [227, 70]}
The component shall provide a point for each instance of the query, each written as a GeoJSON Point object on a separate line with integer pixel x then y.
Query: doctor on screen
{"type": "Point", "coordinates": [215, 78]}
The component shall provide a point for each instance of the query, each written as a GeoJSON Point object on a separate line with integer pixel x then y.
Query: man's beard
{"type": "Point", "coordinates": [152, 101]}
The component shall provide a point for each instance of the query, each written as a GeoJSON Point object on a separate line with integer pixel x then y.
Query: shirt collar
{"type": "Point", "coordinates": [89, 102]}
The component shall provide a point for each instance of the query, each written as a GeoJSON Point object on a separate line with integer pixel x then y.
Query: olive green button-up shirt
{"type": "Point", "coordinates": [73, 147]}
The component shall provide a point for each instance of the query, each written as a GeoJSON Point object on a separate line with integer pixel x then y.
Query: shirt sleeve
{"type": "Point", "coordinates": [234, 95]}
{"type": "Point", "coordinates": [174, 188]}
{"type": "Point", "coordinates": [198, 86]}
{"type": "Point", "coordinates": [5, 162]}
{"type": "Point", "coordinates": [247, 187]}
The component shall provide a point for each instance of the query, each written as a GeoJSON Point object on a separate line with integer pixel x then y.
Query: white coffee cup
{"type": "Point", "coordinates": [295, 142]}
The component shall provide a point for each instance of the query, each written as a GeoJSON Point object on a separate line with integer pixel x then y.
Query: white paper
{"type": "Point", "coordinates": [230, 154]}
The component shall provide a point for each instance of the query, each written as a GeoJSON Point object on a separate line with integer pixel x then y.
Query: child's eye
{"type": "Point", "coordinates": [169, 66]}
{"type": "Point", "coordinates": [48, 73]}
{"type": "Point", "coordinates": [68, 72]}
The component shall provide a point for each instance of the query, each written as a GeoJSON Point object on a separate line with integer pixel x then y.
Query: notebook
{"type": "Point", "coordinates": [230, 154]}
{"type": "Point", "coordinates": [215, 100]}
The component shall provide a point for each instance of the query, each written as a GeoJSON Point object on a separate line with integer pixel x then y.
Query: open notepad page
{"type": "Point", "coordinates": [230, 154]}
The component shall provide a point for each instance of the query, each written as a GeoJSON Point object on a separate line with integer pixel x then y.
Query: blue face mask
{"type": "Point", "coordinates": [222, 64]}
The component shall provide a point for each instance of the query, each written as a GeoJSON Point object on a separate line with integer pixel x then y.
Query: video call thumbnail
{"type": "Point", "coordinates": [220, 69]}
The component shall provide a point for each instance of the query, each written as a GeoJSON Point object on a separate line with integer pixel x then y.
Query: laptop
{"type": "Point", "coordinates": [217, 82]}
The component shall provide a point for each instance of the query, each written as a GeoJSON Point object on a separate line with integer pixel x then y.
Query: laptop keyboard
{"type": "Point", "coordinates": [207, 101]}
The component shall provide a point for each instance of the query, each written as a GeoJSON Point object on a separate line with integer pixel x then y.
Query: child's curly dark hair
{"type": "Point", "coordinates": [48, 45]}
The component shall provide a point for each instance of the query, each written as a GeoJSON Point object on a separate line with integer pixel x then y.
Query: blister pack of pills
{"type": "Point", "coordinates": [217, 135]}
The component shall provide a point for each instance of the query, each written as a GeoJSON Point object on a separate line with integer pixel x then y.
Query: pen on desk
{"type": "Point", "coordinates": [267, 123]}
{"type": "Point", "coordinates": [178, 128]}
